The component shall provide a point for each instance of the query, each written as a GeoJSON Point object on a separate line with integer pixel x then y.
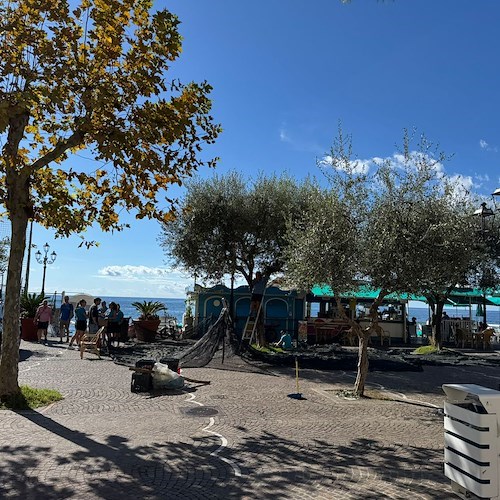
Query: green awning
{"type": "Point", "coordinates": [363, 293]}
{"type": "Point", "coordinates": [494, 300]}
{"type": "Point", "coordinates": [459, 296]}
{"type": "Point", "coordinates": [468, 296]}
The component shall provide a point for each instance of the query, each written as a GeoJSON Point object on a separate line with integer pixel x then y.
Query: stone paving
{"type": "Point", "coordinates": [239, 437]}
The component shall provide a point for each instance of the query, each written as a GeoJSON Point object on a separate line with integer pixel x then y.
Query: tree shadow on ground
{"type": "Point", "coordinates": [429, 381]}
{"type": "Point", "coordinates": [272, 466]}
{"type": "Point", "coordinates": [24, 354]}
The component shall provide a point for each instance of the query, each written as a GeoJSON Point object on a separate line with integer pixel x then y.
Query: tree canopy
{"type": "Point", "coordinates": [227, 223]}
{"type": "Point", "coordinates": [396, 227]}
{"type": "Point", "coordinates": [93, 78]}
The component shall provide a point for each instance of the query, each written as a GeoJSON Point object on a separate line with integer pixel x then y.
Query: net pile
{"type": "Point", "coordinates": [219, 334]}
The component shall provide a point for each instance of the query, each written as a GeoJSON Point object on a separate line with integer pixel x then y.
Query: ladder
{"type": "Point", "coordinates": [250, 330]}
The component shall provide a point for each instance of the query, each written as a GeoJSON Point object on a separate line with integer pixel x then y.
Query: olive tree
{"type": "Point", "coordinates": [393, 232]}
{"type": "Point", "coordinates": [228, 224]}
{"type": "Point", "coordinates": [325, 246]}
{"type": "Point", "coordinates": [93, 77]}
{"type": "Point", "coordinates": [420, 237]}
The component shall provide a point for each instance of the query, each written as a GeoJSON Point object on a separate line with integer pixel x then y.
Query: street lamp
{"type": "Point", "coordinates": [45, 260]}
{"type": "Point", "coordinates": [485, 213]}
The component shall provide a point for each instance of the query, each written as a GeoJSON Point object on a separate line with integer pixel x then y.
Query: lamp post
{"type": "Point", "coordinates": [485, 212]}
{"type": "Point", "coordinates": [45, 260]}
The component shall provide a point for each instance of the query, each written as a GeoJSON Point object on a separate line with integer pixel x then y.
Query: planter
{"type": "Point", "coordinates": [145, 330]}
{"type": "Point", "coordinates": [28, 330]}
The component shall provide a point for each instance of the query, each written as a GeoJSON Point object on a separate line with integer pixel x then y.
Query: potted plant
{"type": "Point", "coordinates": [148, 322]}
{"type": "Point", "coordinates": [29, 305]}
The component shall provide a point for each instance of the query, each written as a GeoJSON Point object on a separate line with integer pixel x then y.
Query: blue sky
{"type": "Point", "coordinates": [285, 72]}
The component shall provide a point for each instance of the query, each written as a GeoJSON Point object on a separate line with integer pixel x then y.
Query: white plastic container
{"type": "Point", "coordinates": [471, 440]}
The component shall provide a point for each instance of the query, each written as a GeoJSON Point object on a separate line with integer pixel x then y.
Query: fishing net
{"type": "Point", "coordinates": [218, 348]}
{"type": "Point", "coordinates": [218, 335]}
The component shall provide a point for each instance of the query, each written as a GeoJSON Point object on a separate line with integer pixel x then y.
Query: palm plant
{"type": "Point", "coordinates": [149, 309]}
{"type": "Point", "coordinates": [30, 302]}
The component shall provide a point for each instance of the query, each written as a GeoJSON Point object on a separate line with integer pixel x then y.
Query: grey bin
{"type": "Point", "coordinates": [471, 440]}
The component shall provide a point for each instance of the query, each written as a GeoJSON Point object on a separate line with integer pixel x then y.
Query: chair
{"type": "Point", "coordinates": [318, 323]}
{"type": "Point", "coordinates": [463, 338]}
{"type": "Point", "coordinates": [118, 332]}
{"type": "Point", "coordinates": [350, 337]}
{"type": "Point", "coordinates": [91, 342]}
{"type": "Point", "coordinates": [453, 336]}
{"type": "Point", "coordinates": [483, 338]}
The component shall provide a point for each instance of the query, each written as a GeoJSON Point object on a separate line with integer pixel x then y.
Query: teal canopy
{"type": "Point", "coordinates": [363, 293]}
{"type": "Point", "coordinates": [494, 300]}
{"type": "Point", "coordinates": [459, 296]}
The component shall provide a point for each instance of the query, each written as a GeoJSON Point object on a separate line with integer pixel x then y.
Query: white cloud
{"type": "Point", "coordinates": [483, 178]}
{"type": "Point", "coordinates": [129, 280]}
{"type": "Point", "coordinates": [284, 135]}
{"type": "Point", "coordinates": [140, 273]}
{"type": "Point", "coordinates": [462, 184]}
{"type": "Point", "coordinates": [484, 145]}
{"type": "Point", "coordinates": [356, 166]}
{"type": "Point", "coordinates": [397, 160]}
{"type": "Point", "coordinates": [415, 158]}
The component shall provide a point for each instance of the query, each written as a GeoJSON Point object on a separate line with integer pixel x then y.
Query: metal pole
{"type": "Point", "coordinates": [44, 270]}
{"type": "Point", "coordinates": [231, 300]}
{"type": "Point", "coordinates": [484, 310]}
{"type": "Point", "coordinates": [45, 260]}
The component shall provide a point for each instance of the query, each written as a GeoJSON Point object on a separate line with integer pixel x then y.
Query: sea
{"type": "Point", "coordinates": [175, 307]}
{"type": "Point", "coordinates": [492, 314]}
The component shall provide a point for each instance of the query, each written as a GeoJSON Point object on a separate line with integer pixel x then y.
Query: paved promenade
{"type": "Point", "coordinates": [239, 437]}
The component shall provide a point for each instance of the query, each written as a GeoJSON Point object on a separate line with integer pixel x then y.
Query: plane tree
{"type": "Point", "coordinates": [93, 77]}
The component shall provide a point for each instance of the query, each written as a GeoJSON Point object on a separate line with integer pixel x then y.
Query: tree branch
{"type": "Point", "coordinates": [60, 148]}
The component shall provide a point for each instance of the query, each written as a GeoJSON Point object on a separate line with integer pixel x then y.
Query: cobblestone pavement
{"type": "Point", "coordinates": [239, 437]}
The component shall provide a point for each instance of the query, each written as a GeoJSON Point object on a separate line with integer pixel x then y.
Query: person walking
{"type": "Point", "coordinates": [66, 313]}
{"type": "Point", "coordinates": [81, 322]}
{"type": "Point", "coordinates": [42, 319]}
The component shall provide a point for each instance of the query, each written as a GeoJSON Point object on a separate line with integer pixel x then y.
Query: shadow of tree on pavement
{"type": "Point", "coordinates": [271, 465]}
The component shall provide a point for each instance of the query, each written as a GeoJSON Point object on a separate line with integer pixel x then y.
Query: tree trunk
{"type": "Point", "coordinates": [9, 357]}
{"type": "Point", "coordinates": [261, 333]}
{"type": "Point", "coordinates": [364, 337]}
{"type": "Point", "coordinates": [437, 340]}
{"type": "Point", "coordinates": [359, 385]}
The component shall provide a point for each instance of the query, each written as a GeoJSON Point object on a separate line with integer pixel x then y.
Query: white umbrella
{"type": "Point", "coordinates": [74, 299]}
